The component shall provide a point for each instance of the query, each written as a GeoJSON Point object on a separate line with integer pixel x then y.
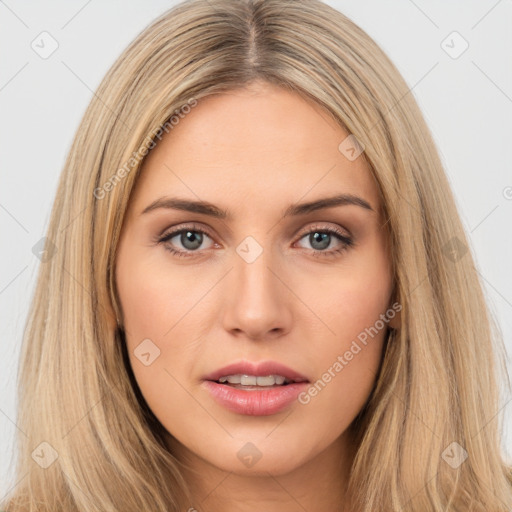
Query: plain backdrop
{"type": "Point", "coordinates": [465, 95]}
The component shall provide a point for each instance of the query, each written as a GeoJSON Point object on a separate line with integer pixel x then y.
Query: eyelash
{"type": "Point", "coordinates": [346, 242]}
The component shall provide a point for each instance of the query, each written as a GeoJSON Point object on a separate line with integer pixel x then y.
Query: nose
{"type": "Point", "coordinates": [257, 301]}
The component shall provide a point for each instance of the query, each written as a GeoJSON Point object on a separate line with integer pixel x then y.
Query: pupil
{"type": "Point", "coordinates": [324, 240]}
{"type": "Point", "coordinates": [191, 239]}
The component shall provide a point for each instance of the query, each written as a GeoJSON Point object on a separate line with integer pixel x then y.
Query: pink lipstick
{"type": "Point", "coordinates": [255, 389]}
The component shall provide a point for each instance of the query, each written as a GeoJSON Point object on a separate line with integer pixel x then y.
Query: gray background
{"type": "Point", "coordinates": [467, 102]}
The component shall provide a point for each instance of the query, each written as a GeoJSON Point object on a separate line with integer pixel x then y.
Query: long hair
{"type": "Point", "coordinates": [86, 439]}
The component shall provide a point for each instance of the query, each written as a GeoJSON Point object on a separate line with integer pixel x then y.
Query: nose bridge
{"type": "Point", "coordinates": [255, 284]}
{"type": "Point", "coordinates": [258, 301]}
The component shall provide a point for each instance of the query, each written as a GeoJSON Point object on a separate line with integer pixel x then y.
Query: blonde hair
{"type": "Point", "coordinates": [438, 381]}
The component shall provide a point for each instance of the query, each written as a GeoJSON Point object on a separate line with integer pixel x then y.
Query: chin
{"type": "Point", "coordinates": [259, 457]}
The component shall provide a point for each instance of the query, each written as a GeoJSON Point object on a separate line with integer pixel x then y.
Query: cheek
{"type": "Point", "coordinates": [353, 306]}
{"type": "Point", "coordinates": [346, 370]}
{"type": "Point", "coordinates": [146, 306]}
{"type": "Point", "coordinates": [357, 293]}
{"type": "Point", "coordinates": [160, 307]}
{"type": "Point", "coordinates": [151, 305]}
{"type": "Point", "coordinates": [150, 296]}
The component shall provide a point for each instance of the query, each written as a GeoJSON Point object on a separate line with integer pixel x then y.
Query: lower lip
{"type": "Point", "coordinates": [255, 402]}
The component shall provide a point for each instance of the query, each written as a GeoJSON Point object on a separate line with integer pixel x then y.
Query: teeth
{"type": "Point", "coordinates": [269, 380]}
{"type": "Point", "coordinates": [252, 380]}
{"type": "Point", "coordinates": [248, 380]}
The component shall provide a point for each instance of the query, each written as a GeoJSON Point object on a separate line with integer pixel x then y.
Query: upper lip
{"type": "Point", "coordinates": [260, 369]}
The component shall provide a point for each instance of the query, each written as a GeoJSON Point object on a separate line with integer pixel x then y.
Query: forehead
{"type": "Point", "coordinates": [257, 146]}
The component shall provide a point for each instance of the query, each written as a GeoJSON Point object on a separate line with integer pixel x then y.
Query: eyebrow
{"type": "Point", "coordinates": [206, 208]}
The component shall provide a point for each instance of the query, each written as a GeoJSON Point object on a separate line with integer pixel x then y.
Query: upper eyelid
{"type": "Point", "coordinates": [176, 230]}
{"type": "Point", "coordinates": [318, 225]}
{"type": "Point", "coordinates": [172, 232]}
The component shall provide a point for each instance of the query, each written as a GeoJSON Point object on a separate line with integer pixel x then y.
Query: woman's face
{"type": "Point", "coordinates": [259, 285]}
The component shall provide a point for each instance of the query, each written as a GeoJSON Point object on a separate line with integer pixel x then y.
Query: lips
{"type": "Point", "coordinates": [253, 400]}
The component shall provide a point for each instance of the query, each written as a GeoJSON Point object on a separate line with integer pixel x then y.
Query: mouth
{"type": "Point", "coordinates": [255, 389]}
{"type": "Point", "coordinates": [255, 382]}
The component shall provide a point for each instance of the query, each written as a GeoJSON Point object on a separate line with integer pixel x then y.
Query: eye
{"type": "Point", "coordinates": [192, 237]}
{"type": "Point", "coordinates": [320, 238]}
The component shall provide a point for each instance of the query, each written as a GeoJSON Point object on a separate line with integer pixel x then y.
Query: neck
{"type": "Point", "coordinates": [318, 484]}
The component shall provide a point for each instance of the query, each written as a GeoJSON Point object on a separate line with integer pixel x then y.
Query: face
{"type": "Point", "coordinates": [221, 273]}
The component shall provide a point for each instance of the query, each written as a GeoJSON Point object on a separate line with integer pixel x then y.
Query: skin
{"type": "Point", "coordinates": [254, 152]}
